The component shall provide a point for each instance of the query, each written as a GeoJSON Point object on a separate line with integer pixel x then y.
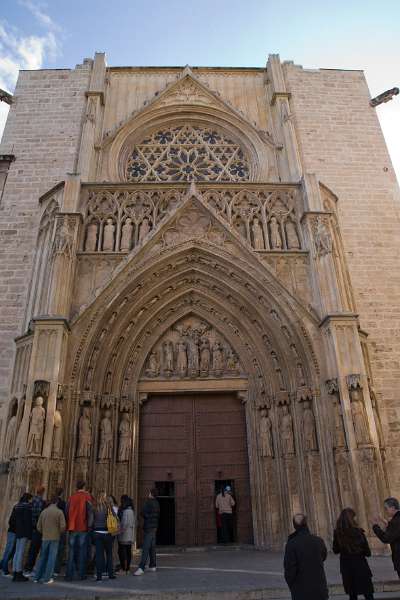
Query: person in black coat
{"type": "Point", "coordinates": [304, 563]}
{"type": "Point", "coordinates": [151, 516]}
{"type": "Point", "coordinates": [350, 542]}
{"type": "Point", "coordinates": [22, 513]}
{"type": "Point", "coordinates": [391, 532]}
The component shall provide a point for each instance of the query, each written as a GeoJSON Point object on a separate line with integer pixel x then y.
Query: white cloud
{"type": "Point", "coordinates": [38, 12]}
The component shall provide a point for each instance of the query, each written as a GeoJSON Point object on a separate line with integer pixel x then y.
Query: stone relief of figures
{"type": "Point", "coordinates": [9, 442]}
{"type": "Point", "coordinates": [124, 431]}
{"type": "Point", "coordinates": [309, 430]}
{"type": "Point", "coordinates": [106, 437]}
{"type": "Point", "coordinates": [322, 238]}
{"type": "Point", "coordinates": [292, 238]}
{"type": "Point", "coordinates": [36, 427]}
{"type": "Point", "coordinates": [84, 434]}
{"type": "Point", "coordinates": [91, 237]}
{"type": "Point", "coordinates": [287, 432]}
{"type": "Point", "coordinates": [57, 433]}
{"type": "Point", "coordinates": [275, 234]}
{"type": "Point", "coordinates": [64, 238]}
{"type": "Point", "coordinates": [258, 235]}
{"type": "Point", "coordinates": [360, 422]}
{"type": "Point", "coordinates": [192, 348]}
{"type": "Point", "coordinates": [266, 439]}
{"type": "Point", "coordinates": [109, 236]}
{"type": "Point", "coordinates": [126, 235]}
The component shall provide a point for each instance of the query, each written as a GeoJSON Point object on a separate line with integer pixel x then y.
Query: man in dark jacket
{"type": "Point", "coordinates": [391, 532]}
{"type": "Point", "coordinates": [304, 563]}
{"type": "Point", "coordinates": [23, 532]}
{"type": "Point", "coordinates": [151, 515]}
{"type": "Point", "coordinates": [38, 505]}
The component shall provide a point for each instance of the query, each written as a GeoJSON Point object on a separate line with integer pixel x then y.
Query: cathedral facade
{"type": "Point", "coordinates": [200, 287]}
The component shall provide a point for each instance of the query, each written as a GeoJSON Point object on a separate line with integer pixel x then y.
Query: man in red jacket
{"type": "Point", "coordinates": [79, 521]}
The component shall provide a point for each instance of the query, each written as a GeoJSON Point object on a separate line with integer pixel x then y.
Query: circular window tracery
{"type": "Point", "coordinates": [187, 153]}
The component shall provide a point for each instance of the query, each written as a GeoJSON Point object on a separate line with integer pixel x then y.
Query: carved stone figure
{"type": "Point", "coordinates": [181, 359]}
{"type": "Point", "coordinates": [106, 437]}
{"type": "Point", "coordinates": [218, 358]}
{"type": "Point", "coordinates": [205, 356]}
{"type": "Point", "coordinates": [266, 441]}
{"type": "Point", "coordinates": [91, 237]}
{"type": "Point", "coordinates": [287, 432]}
{"type": "Point", "coordinates": [193, 355]}
{"type": "Point", "coordinates": [36, 428]}
{"type": "Point", "coordinates": [64, 239]}
{"type": "Point", "coordinates": [378, 423]}
{"type": "Point", "coordinates": [144, 229]}
{"type": "Point", "coordinates": [361, 429]}
{"type": "Point", "coordinates": [258, 235]}
{"type": "Point", "coordinates": [126, 235]}
{"type": "Point", "coordinates": [84, 434]}
{"type": "Point", "coordinates": [275, 234]}
{"type": "Point", "coordinates": [153, 365]}
{"type": "Point", "coordinates": [322, 238]}
{"type": "Point", "coordinates": [57, 433]}
{"type": "Point", "coordinates": [292, 238]}
{"type": "Point", "coordinates": [109, 235]}
{"type": "Point", "coordinates": [124, 431]}
{"type": "Point", "coordinates": [168, 356]}
{"type": "Point", "coordinates": [232, 362]}
{"type": "Point", "coordinates": [340, 437]}
{"type": "Point", "coordinates": [300, 374]}
{"type": "Point", "coordinates": [309, 432]}
{"type": "Point", "coordinates": [8, 451]}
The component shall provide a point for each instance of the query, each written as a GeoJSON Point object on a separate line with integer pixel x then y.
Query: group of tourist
{"type": "Point", "coordinates": [306, 553]}
{"type": "Point", "coordinates": [89, 522]}
{"type": "Point", "coordinates": [99, 522]}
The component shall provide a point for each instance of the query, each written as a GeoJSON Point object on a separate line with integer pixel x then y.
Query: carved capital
{"type": "Point", "coordinates": [332, 386]}
{"type": "Point", "coordinates": [304, 394]}
{"type": "Point", "coordinates": [282, 398]}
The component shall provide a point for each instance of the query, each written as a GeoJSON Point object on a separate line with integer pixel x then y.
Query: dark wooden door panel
{"type": "Point", "coordinates": [192, 440]}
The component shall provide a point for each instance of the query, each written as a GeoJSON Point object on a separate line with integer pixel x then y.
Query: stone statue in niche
{"type": "Point", "coordinates": [205, 356]}
{"type": "Point", "coordinates": [181, 358]}
{"type": "Point", "coordinates": [361, 429]}
{"type": "Point", "coordinates": [258, 235]}
{"type": "Point", "coordinates": [8, 451]}
{"type": "Point", "coordinates": [218, 358]}
{"type": "Point", "coordinates": [266, 441]}
{"type": "Point", "coordinates": [300, 374]}
{"type": "Point", "coordinates": [232, 362]}
{"type": "Point", "coordinates": [106, 437]}
{"type": "Point", "coordinates": [64, 239]}
{"type": "Point", "coordinates": [84, 434]}
{"type": "Point", "coordinates": [36, 428]}
{"type": "Point", "coordinates": [292, 238]}
{"type": "Point", "coordinates": [144, 229]}
{"type": "Point", "coordinates": [124, 431]}
{"type": "Point", "coordinates": [57, 433]}
{"type": "Point", "coordinates": [309, 431]}
{"type": "Point", "coordinates": [275, 234]}
{"type": "Point", "coordinates": [340, 437]}
{"type": "Point", "coordinates": [126, 235]}
{"type": "Point", "coordinates": [153, 365]}
{"type": "Point", "coordinates": [193, 355]}
{"type": "Point", "coordinates": [168, 357]}
{"type": "Point", "coordinates": [91, 237]}
{"type": "Point", "coordinates": [322, 238]}
{"type": "Point", "coordinates": [109, 236]}
{"type": "Point", "coordinates": [89, 378]}
{"type": "Point", "coordinates": [240, 228]}
{"type": "Point", "coordinates": [287, 431]}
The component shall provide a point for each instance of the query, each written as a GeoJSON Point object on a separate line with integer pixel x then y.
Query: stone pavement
{"type": "Point", "coordinates": [226, 574]}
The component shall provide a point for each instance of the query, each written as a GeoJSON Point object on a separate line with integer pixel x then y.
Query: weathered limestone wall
{"type": "Point", "coordinates": [342, 143]}
{"type": "Point", "coordinates": [43, 132]}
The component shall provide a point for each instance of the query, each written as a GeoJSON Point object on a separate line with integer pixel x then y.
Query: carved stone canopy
{"type": "Point", "coordinates": [191, 348]}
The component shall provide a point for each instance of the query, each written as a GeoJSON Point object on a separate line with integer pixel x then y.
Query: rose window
{"type": "Point", "coordinates": [187, 153]}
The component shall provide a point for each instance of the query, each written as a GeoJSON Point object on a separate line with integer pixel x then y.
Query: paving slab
{"type": "Point", "coordinates": [228, 574]}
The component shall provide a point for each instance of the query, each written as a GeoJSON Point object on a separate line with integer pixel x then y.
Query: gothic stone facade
{"type": "Point", "coordinates": [224, 239]}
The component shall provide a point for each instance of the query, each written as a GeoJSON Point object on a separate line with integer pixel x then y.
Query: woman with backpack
{"type": "Point", "coordinates": [350, 542]}
{"type": "Point", "coordinates": [105, 526]}
{"type": "Point", "coordinates": [126, 536]}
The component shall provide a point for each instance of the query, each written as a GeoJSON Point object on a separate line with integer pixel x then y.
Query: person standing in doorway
{"type": "Point", "coordinates": [151, 516]}
{"type": "Point", "coordinates": [389, 531]}
{"type": "Point", "coordinates": [38, 504]}
{"type": "Point", "coordinates": [304, 559]}
{"type": "Point", "coordinates": [126, 535]}
{"type": "Point", "coordinates": [350, 542]}
{"type": "Point", "coordinates": [224, 503]}
{"type": "Point", "coordinates": [51, 525]}
{"type": "Point", "coordinates": [79, 520]}
{"type": "Point", "coordinates": [23, 533]}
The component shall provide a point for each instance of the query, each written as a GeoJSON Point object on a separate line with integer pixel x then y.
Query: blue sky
{"type": "Point", "coordinates": [352, 34]}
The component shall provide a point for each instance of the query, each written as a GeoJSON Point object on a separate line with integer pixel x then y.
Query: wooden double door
{"type": "Point", "coordinates": [188, 445]}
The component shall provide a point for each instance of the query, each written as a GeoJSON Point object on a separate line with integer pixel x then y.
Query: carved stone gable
{"type": "Point", "coordinates": [187, 91]}
{"type": "Point", "coordinates": [192, 348]}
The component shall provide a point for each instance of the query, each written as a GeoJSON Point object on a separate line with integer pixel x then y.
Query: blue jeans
{"type": "Point", "coordinates": [104, 546]}
{"type": "Point", "coordinates": [34, 550]}
{"type": "Point", "coordinates": [76, 539]}
{"type": "Point", "coordinates": [47, 560]}
{"type": "Point", "coordinates": [149, 548]}
{"type": "Point", "coordinates": [8, 550]}
{"type": "Point", "coordinates": [19, 554]}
